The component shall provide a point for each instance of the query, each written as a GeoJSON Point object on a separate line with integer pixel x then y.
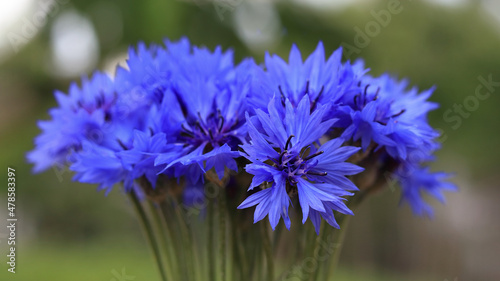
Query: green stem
{"type": "Point", "coordinates": [148, 230]}
{"type": "Point", "coordinates": [185, 239]}
{"type": "Point", "coordinates": [241, 256]}
{"type": "Point", "coordinates": [199, 266]}
{"type": "Point", "coordinates": [211, 250]}
{"type": "Point", "coordinates": [165, 238]}
{"type": "Point", "coordinates": [165, 213]}
{"type": "Point", "coordinates": [340, 234]}
{"type": "Point", "coordinates": [338, 243]}
{"type": "Point", "coordinates": [256, 263]}
{"type": "Point", "coordinates": [222, 234]}
{"type": "Point", "coordinates": [317, 252]}
{"type": "Point", "coordinates": [266, 241]}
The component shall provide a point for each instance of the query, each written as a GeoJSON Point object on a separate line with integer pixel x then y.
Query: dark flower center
{"type": "Point", "coordinates": [296, 164]}
{"type": "Point", "coordinates": [361, 99]}
{"type": "Point", "coordinates": [382, 116]}
{"type": "Point", "coordinates": [306, 92]}
{"type": "Point", "coordinates": [214, 129]}
{"type": "Point", "coordinates": [100, 102]}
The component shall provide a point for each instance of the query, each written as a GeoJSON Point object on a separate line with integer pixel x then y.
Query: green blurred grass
{"type": "Point", "coordinates": [98, 260]}
{"type": "Point", "coordinates": [432, 46]}
{"type": "Point", "coordinates": [82, 262]}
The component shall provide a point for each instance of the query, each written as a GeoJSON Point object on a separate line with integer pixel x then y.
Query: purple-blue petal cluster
{"type": "Point", "coordinates": [304, 129]}
{"type": "Point", "coordinates": [285, 151]}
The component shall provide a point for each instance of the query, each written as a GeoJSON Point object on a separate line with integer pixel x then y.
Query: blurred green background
{"type": "Point", "coordinates": [68, 231]}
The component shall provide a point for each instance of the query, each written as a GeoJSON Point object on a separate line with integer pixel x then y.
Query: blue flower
{"type": "Point", "coordinates": [178, 110]}
{"type": "Point", "coordinates": [147, 76]}
{"type": "Point", "coordinates": [100, 165]}
{"type": "Point", "coordinates": [383, 113]}
{"type": "Point", "coordinates": [323, 81]}
{"type": "Point", "coordinates": [417, 180]}
{"type": "Point", "coordinates": [204, 111]}
{"type": "Point", "coordinates": [365, 127]}
{"type": "Point", "coordinates": [107, 167]}
{"type": "Point", "coordinates": [139, 159]}
{"type": "Point", "coordinates": [285, 153]}
{"type": "Point", "coordinates": [83, 115]}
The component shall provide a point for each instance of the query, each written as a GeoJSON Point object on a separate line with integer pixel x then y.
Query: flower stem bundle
{"type": "Point", "coordinates": [201, 145]}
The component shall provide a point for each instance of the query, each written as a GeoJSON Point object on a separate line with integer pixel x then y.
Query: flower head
{"type": "Point", "coordinates": [204, 111]}
{"type": "Point", "coordinates": [176, 111]}
{"type": "Point", "coordinates": [81, 116]}
{"type": "Point", "coordinates": [383, 113]}
{"type": "Point", "coordinates": [416, 180]}
{"type": "Point", "coordinates": [323, 81]}
{"type": "Point", "coordinates": [285, 152]}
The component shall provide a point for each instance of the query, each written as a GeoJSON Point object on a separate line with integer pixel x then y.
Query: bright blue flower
{"type": "Point", "coordinates": [107, 167]}
{"type": "Point", "coordinates": [204, 111]}
{"type": "Point", "coordinates": [99, 165]}
{"type": "Point", "coordinates": [385, 114]}
{"type": "Point", "coordinates": [146, 77]}
{"type": "Point", "coordinates": [83, 115]}
{"type": "Point", "coordinates": [179, 110]}
{"type": "Point", "coordinates": [285, 153]}
{"type": "Point", "coordinates": [365, 127]}
{"type": "Point", "coordinates": [415, 181]}
{"type": "Point", "coordinates": [397, 122]}
{"type": "Point", "coordinates": [140, 157]}
{"type": "Point", "coordinates": [324, 81]}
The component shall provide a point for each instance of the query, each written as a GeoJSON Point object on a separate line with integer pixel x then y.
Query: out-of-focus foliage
{"type": "Point", "coordinates": [431, 45]}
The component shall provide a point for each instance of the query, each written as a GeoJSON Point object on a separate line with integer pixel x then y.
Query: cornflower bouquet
{"type": "Point", "coordinates": [196, 142]}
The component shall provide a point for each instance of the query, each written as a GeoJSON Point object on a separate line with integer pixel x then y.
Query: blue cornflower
{"type": "Point", "coordinates": [100, 165]}
{"type": "Point", "coordinates": [83, 115]}
{"type": "Point", "coordinates": [145, 78]}
{"type": "Point", "coordinates": [179, 110]}
{"type": "Point", "coordinates": [385, 114]}
{"type": "Point", "coordinates": [364, 127]}
{"type": "Point", "coordinates": [204, 111]}
{"type": "Point", "coordinates": [132, 161]}
{"type": "Point", "coordinates": [285, 153]}
{"type": "Point", "coordinates": [323, 81]}
{"type": "Point", "coordinates": [416, 180]}
{"type": "Point", "coordinates": [139, 158]}
{"type": "Point", "coordinates": [186, 108]}
{"type": "Point", "coordinates": [409, 128]}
